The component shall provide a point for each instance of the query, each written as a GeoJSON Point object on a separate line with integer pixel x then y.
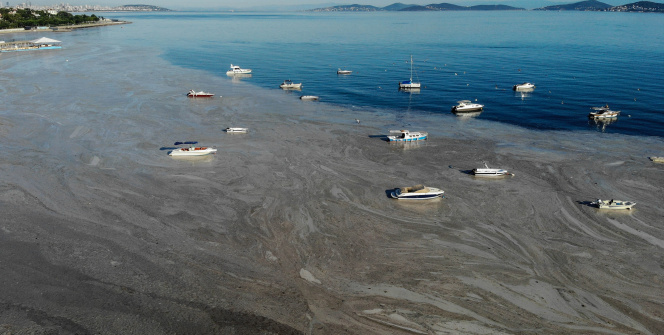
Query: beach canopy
{"type": "Point", "coordinates": [44, 40]}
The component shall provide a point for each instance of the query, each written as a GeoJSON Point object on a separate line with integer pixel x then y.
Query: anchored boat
{"type": "Point", "coordinates": [409, 84]}
{"type": "Point", "coordinates": [489, 172]}
{"type": "Point", "coordinates": [417, 192]}
{"type": "Point", "coordinates": [524, 87]}
{"type": "Point", "coordinates": [613, 204]}
{"type": "Point", "coordinates": [466, 106]}
{"type": "Point", "coordinates": [287, 84]}
{"type": "Point", "coordinates": [603, 113]}
{"type": "Point", "coordinates": [235, 69]}
{"type": "Point", "coordinates": [192, 150]}
{"type": "Point", "coordinates": [407, 136]}
{"type": "Point", "coordinates": [200, 94]}
{"type": "Point", "coordinates": [309, 97]}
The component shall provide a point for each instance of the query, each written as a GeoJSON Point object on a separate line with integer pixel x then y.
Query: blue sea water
{"type": "Point", "coordinates": [577, 60]}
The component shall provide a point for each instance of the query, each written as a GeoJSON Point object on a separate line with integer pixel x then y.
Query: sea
{"type": "Point", "coordinates": [577, 60]}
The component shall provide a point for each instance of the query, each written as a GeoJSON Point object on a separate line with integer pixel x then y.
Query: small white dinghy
{"type": "Point", "coordinates": [657, 159]}
{"type": "Point", "coordinates": [489, 172]}
{"type": "Point", "coordinates": [309, 98]}
{"type": "Point", "coordinates": [417, 192]}
{"type": "Point", "coordinates": [613, 204]}
{"type": "Point", "coordinates": [237, 130]}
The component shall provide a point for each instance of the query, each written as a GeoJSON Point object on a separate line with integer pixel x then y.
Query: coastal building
{"type": "Point", "coordinates": [37, 44]}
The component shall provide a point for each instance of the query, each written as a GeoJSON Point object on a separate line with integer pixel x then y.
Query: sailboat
{"type": "Point", "coordinates": [409, 84]}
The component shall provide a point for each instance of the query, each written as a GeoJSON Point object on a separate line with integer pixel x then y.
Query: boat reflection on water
{"type": "Point", "coordinates": [600, 124]}
{"type": "Point", "coordinates": [194, 159]}
{"type": "Point", "coordinates": [410, 90]}
{"type": "Point", "coordinates": [467, 115]}
{"type": "Point", "coordinates": [407, 145]}
{"type": "Point", "coordinates": [239, 76]}
{"type": "Point", "coordinates": [524, 93]}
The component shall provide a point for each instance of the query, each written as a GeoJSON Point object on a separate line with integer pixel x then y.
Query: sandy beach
{"type": "Point", "coordinates": [288, 229]}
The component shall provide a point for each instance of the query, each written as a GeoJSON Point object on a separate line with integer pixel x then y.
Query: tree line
{"type": "Point", "coordinates": [28, 18]}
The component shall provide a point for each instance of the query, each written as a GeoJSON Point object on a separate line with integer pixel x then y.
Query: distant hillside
{"type": "Point", "coordinates": [440, 6]}
{"type": "Point", "coordinates": [494, 7]}
{"type": "Point", "coordinates": [397, 6]}
{"type": "Point", "coordinates": [583, 5]}
{"type": "Point", "coordinates": [588, 5]}
{"type": "Point", "coordinates": [348, 8]}
{"type": "Point", "coordinates": [146, 8]}
{"type": "Point", "coordinates": [411, 8]}
{"type": "Point", "coordinates": [641, 6]}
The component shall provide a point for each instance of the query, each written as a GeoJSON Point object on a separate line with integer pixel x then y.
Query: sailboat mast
{"type": "Point", "coordinates": [411, 68]}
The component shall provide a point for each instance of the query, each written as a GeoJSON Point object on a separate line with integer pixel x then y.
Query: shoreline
{"type": "Point", "coordinates": [63, 28]}
{"type": "Point", "coordinates": [288, 227]}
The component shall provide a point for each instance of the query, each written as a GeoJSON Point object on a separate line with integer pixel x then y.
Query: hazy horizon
{"type": "Point", "coordinates": [257, 5]}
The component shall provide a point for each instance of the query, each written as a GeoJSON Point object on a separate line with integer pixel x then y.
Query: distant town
{"type": "Point", "coordinates": [85, 8]}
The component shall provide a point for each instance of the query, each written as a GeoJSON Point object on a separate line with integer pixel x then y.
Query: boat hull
{"type": "Point", "coordinates": [192, 152]}
{"type": "Point", "coordinates": [237, 130]}
{"type": "Point", "coordinates": [524, 87]}
{"type": "Point", "coordinates": [412, 139]}
{"type": "Point", "coordinates": [410, 85]}
{"type": "Point", "coordinates": [603, 116]}
{"type": "Point", "coordinates": [457, 109]}
{"type": "Point", "coordinates": [407, 136]}
{"type": "Point", "coordinates": [491, 172]}
{"type": "Point", "coordinates": [432, 193]}
{"type": "Point", "coordinates": [291, 86]}
{"type": "Point", "coordinates": [614, 204]}
{"type": "Point", "coordinates": [200, 95]}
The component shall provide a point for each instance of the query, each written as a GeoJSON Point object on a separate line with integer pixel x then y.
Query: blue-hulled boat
{"type": "Point", "coordinates": [407, 136]}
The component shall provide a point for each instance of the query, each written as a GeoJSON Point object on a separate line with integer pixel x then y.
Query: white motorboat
{"type": "Point", "coordinates": [235, 69]}
{"type": "Point", "coordinates": [489, 172]}
{"type": "Point", "coordinates": [603, 113]}
{"type": "Point", "coordinates": [410, 84]}
{"type": "Point", "coordinates": [613, 204]}
{"type": "Point", "coordinates": [200, 94]}
{"type": "Point", "coordinates": [407, 136]}
{"type": "Point", "coordinates": [192, 151]}
{"type": "Point", "coordinates": [340, 71]}
{"type": "Point", "coordinates": [657, 159]}
{"type": "Point", "coordinates": [237, 130]}
{"type": "Point", "coordinates": [287, 84]}
{"type": "Point", "coordinates": [524, 87]}
{"type": "Point", "coordinates": [466, 106]}
{"type": "Point", "coordinates": [417, 192]}
{"type": "Point", "coordinates": [309, 97]}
